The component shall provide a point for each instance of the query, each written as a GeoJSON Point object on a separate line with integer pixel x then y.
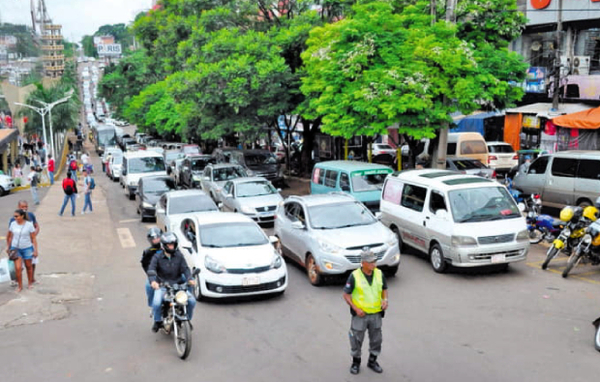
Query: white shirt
{"type": "Point", "coordinates": [21, 234]}
{"type": "Point", "coordinates": [85, 159]}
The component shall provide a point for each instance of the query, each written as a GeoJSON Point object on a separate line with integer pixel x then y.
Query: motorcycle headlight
{"type": "Point", "coordinates": [213, 265]}
{"type": "Point", "coordinates": [181, 298]}
{"type": "Point", "coordinates": [277, 262]}
{"type": "Point", "coordinates": [463, 241]}
{"type": "Point", "coordinates": [523, 235]}
{"type": "Point", "coordinates": [247, 210]}
{"type": "Point", "coordinates": [147, 205]}
{"type": "Point", "coordinates": [587, 239]}
{"type": "Point", "coordinates": [567, 231]}
{"type": "Point", "coordinates": [328, 247]}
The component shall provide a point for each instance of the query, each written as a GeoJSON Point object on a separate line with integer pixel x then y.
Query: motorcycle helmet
{"type": "Point", "coordinates": [152, 234]}
{"type": "Point", "coordinates": [169, 238]}
{"type": "Point", "coordinates": [566, 214]}
{"type": "Point", "coordinates": [589, 213]}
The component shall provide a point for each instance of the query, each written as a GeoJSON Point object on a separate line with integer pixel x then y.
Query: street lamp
{"type": "Point", "coordinates": [49, 106]}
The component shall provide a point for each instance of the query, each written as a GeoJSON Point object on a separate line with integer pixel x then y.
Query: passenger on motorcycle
{"type": "Point", "coordinates": [167, 267]}
{"type": "Point", "coordinates": [153, 236]}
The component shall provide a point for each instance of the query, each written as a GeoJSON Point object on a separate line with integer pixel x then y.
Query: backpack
{"type": "Point", "coordinates": [69, 188]}
{"type": "Point", "coordinates": [73, 165]}
{"type": "Point", "coordinates": [92, 183]}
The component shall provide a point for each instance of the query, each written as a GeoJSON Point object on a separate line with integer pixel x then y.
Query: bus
{"type": "Point", "coordinates": [104, 135]}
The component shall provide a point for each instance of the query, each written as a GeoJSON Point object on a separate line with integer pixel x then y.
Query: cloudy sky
{"type": "Point", "coordinates": [78, 17]}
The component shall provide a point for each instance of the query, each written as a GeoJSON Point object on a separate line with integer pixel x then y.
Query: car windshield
{"type": "Point", "coordinates": [199, 164]}
{"type": "Point", "coordinates": [228, 173]}
{"type": "Point", "coordinates": [192, 203]}
{"type": "Point", "coordinates": [465, 164]}
{"type": "Point", "coordinates": [371, 182]}
{"type": "Point", "coordinates": [340, 215]}
{"type": "Point", "coordinates": [384, 147]}
{"type": "Point", "coordinates": [232, 235]}
{"type": "Point", "coordinates": [117, 159]}
{"type": "Point", "coordinates": [257, 159]}
{"type": "Point", "coordinates": [501, 149]}
{"type": "Point", "coordinates": [158, 186]}
{"type": "Point", "coordinates": [106, 137]}
{"type": "Point", "coordinates": [148, 164]}
{"type": "Point", "coordinates": [255, 189]}
{"type": "Point", "coordinates": [482, 204]}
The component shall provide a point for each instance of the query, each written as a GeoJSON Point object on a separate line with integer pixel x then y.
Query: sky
{"type": "Point", "coordinates": [78, 17]}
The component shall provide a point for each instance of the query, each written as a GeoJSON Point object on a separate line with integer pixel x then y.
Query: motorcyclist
{"type": "Point", "coordinates": [153, 236]}
{"type": "Point", "coordinates": [167, 267]}
{"type": "Point", "coordinates": [525, 166]}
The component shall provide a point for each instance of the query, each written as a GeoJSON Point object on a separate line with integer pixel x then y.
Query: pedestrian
{"type": "Point", "coordinates": [88, 185]}
{"type": "Point", "coordinates": [525, 166]}
{"type": "Point", "coordinates": [33, 180]}
{"type": "Point", "coordinates": [366, 293]}
{"type": "Point", "coordinates": [23, 205]}
{"type": "Point", "coordinates": [17, 174]}
{"type": "Point", "coordinates": [70, 189]}
{"type": "Point", "coordinates": [51, 168]}
{"type": "Point", "coordinates": [73, 167]}
{"type": "Point", "coordinates": [21, 237]}
{"type": "Point", "coordinates": [85, 159]}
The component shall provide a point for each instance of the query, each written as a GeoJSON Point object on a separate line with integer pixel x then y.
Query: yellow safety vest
{"type": "Point", "coordinates": [367, 297]}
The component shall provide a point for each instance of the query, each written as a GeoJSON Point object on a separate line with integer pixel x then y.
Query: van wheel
{"type": "Point", "coordinates": [396, 232]}
{"type": "Point", "coordinates": [584, 203]}
{"type": "Point", "coordinates": [436, 256]}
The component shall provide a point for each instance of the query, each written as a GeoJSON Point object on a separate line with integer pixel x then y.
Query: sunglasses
{"type": "Point", "coordinates": [17, 216]}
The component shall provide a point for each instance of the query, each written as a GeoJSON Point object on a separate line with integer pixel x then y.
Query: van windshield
{"type": "Point", "coordinates": [367, 181]}
{"type": "Point", "coordinates": [146, 164]}
{"type": "Point", "coordinates": [482, 204]}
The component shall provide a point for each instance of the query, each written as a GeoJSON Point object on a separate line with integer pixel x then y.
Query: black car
{"type": "Point", "coordinates": [256, 162]}
{"type": "Point", "coordinates": [149, 191]}
{"type": "Point", "coordinates": [192, 168]}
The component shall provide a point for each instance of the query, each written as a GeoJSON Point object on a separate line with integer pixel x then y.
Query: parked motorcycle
{"type": "Point", "coordinates": [597, 335]}
{"type": "Point", "coordinates": [175, 318]}
{"type": "Point", "coordinates": [576, 219]}
{"type": "Point", "coordinates": [541, 227]}
{"type": "Point", "coordinates": [588, 249]}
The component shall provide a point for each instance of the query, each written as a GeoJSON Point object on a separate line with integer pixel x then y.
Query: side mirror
{"type": "Point", "coordinates": [123, 172]}
{"type": "Point", "coordinates": [273, 239]}
{"type": "Point", "coordinates": [220, 205]}
{"type": "Point", "coordinates": [188, 248]}
{"type": "Point", "coordinates": [196, 272]}
{"type": "Point", "coordinates": [378, 215]}
{"type": "Point", "coordinates": [441, 213]}
{"type": "Point", "coordinates": [298, 225]}
{"type": "Point", "coordinates": [279, 189]}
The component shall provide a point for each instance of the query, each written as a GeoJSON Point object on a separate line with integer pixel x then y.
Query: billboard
{"type": "Point", "coordinates": [536, 80]}
{"type": "Point", "coordinates": [546, 11]}
{"type": "Point", "coordinates": [109, 49]}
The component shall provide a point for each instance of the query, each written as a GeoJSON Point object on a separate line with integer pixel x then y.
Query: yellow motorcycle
{"type": "Point", "coordinates": [577, 220]}
{"type": "Point", "coordinates": [587, 250]}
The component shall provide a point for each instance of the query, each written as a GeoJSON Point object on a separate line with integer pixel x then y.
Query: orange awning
{"type": "Point", "coordinates": [587, 119]}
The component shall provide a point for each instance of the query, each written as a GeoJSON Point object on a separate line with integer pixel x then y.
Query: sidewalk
{"type": "Point", "coordinates": [70, 250]}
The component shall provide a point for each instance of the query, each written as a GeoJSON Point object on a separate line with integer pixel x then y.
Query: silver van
{"type": "Point", "coordinates": [462, 220]}
{"type": "Point", "coordinates": [563, 178]}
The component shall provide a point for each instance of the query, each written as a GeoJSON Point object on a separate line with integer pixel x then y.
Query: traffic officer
{"type": "Point", "coordinates": [366, 293]}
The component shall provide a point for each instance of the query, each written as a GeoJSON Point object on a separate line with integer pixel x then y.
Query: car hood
{"type": "Point", "coordinates": [357, 236]}
{"type": "Point", "coordinates": [260, 201]}
{"type": "Point", "coordinates": [152, 198]}
{"type": "Point", "coordinates": [242, 257]}
{"type": "Point", "coordinates": [264, 168]}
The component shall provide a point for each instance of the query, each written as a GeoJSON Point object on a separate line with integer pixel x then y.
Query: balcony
{"type": "Point", "coordinates": [53, 48]}
{"type": "Point", "coordinates": [53, 68]}
{"type": "Point", "coordinates": [52, 37]}
{"type": "Point", "coordinates": [58, 57]}
{"type": "Point", "coordinates": [52, 27]}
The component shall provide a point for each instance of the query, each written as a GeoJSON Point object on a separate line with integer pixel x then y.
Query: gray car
{"type": "Point", "coordinates": [254, 197]}
{"type": "Point", "coordinates": [325, 233]}
{"type": "Point", "coordinates": [216, 175]}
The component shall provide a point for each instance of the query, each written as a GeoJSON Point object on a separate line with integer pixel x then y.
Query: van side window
{"type": "Point", "coordinates": [344, 182]}
{"type": "Point", "coordinates": [392, 191]}
{"type": "Point", "coordinates": [413, 197]}
{"type": "Point", "coordinates": [564, 167]}
{"type": "Point", "coordinates": [473, 147]}
{"type": "Point", "coordinates": [538, 166]}
{"type": "Point", "coordinates": [589, 169]}
{"type": "Point", "coordinates": [331, 178]}
{"type": "Point", "coordinates": [451, 150]}
{"type": "Point", "coordinates": [436, 202]}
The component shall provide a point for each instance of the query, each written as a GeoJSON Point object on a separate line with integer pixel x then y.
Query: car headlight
{"type": "Point", "coordinates": [181, 298]}
{"type": "Point", "coordinates": [328, 247]}
{"type": "Point", "coordinates": [463, 241]}
{"type": "Point", "coordinates": [247, 210]}
{"type": "Point", "coordinates": [213, 265]}
{"type": "Point", "coordinates": [277, 262]}
{"type": "Point", "coordinates": [147, 205]}
{"type": "Point", "coordinates": [523, 235]}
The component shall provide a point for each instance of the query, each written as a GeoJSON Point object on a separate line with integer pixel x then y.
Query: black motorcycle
{"type": "Point", "coordinates": [175, 318]}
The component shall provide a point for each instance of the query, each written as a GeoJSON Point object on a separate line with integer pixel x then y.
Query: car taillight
{"type": "Point", "coordinates": [494, 174]}
{"type": "Point", "coordinates": [516, 157]}
{"type": "Point", "coordinates": [491, 158]}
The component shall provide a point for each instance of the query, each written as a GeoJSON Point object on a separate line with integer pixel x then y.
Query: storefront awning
{"type": "Point", "coordinates": [587, 119]}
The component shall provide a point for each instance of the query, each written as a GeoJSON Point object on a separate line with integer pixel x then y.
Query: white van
{"type": "Point", "coordinates": [470, 145]}
{"type": "Point", "coordinates": [138, 164]}
{"type": "Point", "coordinates": [457, 219]}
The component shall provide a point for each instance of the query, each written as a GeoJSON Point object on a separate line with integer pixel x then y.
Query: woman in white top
{"type": "Point", "coordinates": [21, 236]}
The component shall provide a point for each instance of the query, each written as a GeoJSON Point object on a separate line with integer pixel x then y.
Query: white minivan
{"type": "Point", "coordinates": [459, 220]}
{"type": "Point", "coordinates": [138, 164]}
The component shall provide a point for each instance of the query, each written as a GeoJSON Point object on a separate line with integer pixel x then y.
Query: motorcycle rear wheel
{"type": "Point", "coordinates": [551, 254]}
{"type": "Point", "coordinates": [573, 261]}
{"type": "Point", "coordinates": [183, 339]}
{"type": "Point", "coordinates": [535, 236]}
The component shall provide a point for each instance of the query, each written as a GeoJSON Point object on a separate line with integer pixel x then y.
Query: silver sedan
{"type": "Point", "coordinates": [254, 197]}
{"type": "Point", "coordinates": [216, 175]}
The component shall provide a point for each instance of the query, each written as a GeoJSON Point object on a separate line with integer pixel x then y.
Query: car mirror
{"type": "Point", "coordinates": [188, 248]}
{"type": "Point", "coordinates": [123, 172]}
{"type": "Point", "coordinates": [441, 213]}
{"type": "Point", "coordinates": [279, 189]}
{"type": "Point", "coordinates": [196, 272]}
{"type": "Point", "coordinates": [378, 216]}
{"type": "Point", "coordinates": [298, 225]}
{"type": "Point", "coordinates": [273, 239]}
{"type": "Point", "coordinates": [220, 205]}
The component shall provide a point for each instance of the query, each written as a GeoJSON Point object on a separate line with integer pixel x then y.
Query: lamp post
{"type": "Point", "coordinates": [42, 112]}
{"type": "Point", "coordinates": [49, 106]}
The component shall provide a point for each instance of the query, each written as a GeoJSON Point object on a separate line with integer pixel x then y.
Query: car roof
{"type": "Point", "coordinates": [453, 158]}
{"type": "Point", "coordinates": [142, 154]}
{"type": "Point", "coordinates": [156, 177]}
{"type": "Point", "coordinates": [223, 165]}
{"type": "Point", "coordinates": [443, 180]}
{"type": "Point", "coordinates": [216, 217]}
{"type": "Point", "coordinates": [498, 143]}
{"type": "Point", "coordinates": [323, 199]}
{"type": "Point", "coordinates": [577, 154]}
{"type": "Point", "coordinates": [249, 179]}
{"type": "Point", "coordinates": [255, 151]}
{"type": "Point", "coordinates": [350, 165]}
{"type": "Point", "coordinates": [184, 193]}
{"type": "Point", "coordinates": [198, 156]}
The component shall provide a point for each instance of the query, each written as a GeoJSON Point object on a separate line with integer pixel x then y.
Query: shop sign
{"type": "Point", "coordinates": [531, 122]}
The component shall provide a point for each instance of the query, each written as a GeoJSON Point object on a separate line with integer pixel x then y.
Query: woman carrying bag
{"type": "Point", "coordinates": [22, 246]}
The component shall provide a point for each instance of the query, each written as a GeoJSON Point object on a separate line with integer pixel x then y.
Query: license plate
{"type": "Point", "coordinates": [498, 258]}
{"type": "Point", "coordinates": [248, 281]}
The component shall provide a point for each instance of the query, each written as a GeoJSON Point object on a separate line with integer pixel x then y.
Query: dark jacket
{"type": "Point", "coordinates": [147, 256]}
{"type": "Point", "coordinates": [169, 270]}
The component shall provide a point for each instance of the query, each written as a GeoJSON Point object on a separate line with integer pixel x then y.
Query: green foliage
{"type": "Point", "coordinates": [89, 50]}
{"type": "Point", "coordinates": [26, 46]}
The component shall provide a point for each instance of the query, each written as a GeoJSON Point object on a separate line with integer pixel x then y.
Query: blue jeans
{"type": "Point", "coordinates": [72, 198]}
{"type": "Point", "coordinates": [24, 253]}
{"type": "Point", "coordinates": [157, 304]}
{"type": "Point", "coordinates": [51, 175]}
{"type": "Point", "coordinates": [34, 195]}
{"type": "Point", "coordinates": [149, 293]}
{"type": "Point", "coordinates": [88, 202]}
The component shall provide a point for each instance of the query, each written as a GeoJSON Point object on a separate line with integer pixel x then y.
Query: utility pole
{"type": "Point", "coordinates": [557, 56]}
{"type": "Point", "coordinates": [442, 148]}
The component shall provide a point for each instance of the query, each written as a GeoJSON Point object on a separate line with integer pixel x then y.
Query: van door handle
{"type": "Point", "coordinates": [424, 223]}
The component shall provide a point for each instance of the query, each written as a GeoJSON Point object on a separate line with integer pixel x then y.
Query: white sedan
{"type": "Point", "coordinates": [234, 256]}
{"type": "Point", "coordinates": [174, 206]}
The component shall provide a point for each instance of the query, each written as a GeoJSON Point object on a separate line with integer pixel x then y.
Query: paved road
{"type": "Point", "coordinates": [521, 325]}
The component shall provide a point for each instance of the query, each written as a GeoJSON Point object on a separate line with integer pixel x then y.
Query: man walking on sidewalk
{"type": "Point", "coordinates": [70, 189]}
{"type": "Point", "coordinates": [33, 184]}
{"type": "Point", "coordinates": [88, 185]}
{"type": "Point", "coordinates": [51, 169]}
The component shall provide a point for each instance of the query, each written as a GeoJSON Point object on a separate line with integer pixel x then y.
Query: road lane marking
{"type": "Point", "coordinates": [125, 238]}
{"type": "Point", "coordinates": [128, 221]}
{"type": "Point", "coordinates": [558, 271]}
